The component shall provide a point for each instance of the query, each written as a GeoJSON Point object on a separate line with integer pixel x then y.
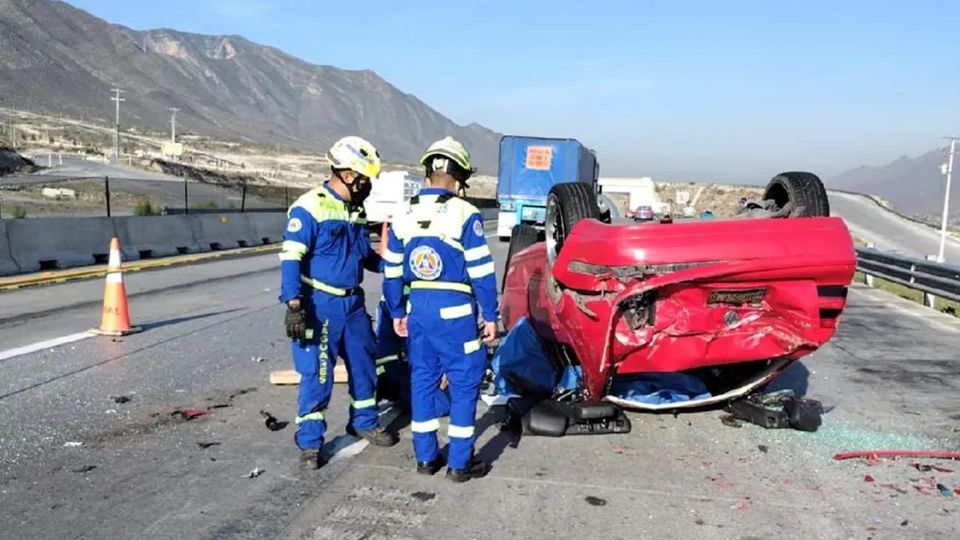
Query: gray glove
{"type": "Point", "coordinates": [296, 322]}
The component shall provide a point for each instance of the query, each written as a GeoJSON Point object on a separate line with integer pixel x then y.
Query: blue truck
{"type": "Point", "coordinates": [529, 167]}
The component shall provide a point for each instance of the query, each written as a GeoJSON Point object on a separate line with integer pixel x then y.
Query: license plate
{"type": "Point", "coordinates": [737, 297]}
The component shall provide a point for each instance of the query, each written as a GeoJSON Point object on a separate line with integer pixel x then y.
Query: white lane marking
{"type": "Point", "coordinates": [40, 345]}
{"type": "Point", "coordinates": [349, 447]}
{"type": "Point", "coordinates": [349, 451]}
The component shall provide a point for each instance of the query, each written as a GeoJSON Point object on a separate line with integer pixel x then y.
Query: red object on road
{"type": "Point", "coordinates": [190, 414]}
{"type": "Point", "coordinates": [876, 454]}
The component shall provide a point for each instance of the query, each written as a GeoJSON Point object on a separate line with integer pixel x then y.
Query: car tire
{"type": "Point", "coordinates": [522, 237]}
{"type": "Point", "coordinates": [803, 190]}
{"type": "Point", "coordinates": [567, 204]}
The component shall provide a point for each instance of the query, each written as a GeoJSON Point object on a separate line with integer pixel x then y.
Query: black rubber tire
{"type": "Point", "coordinates": [803, 189]}
{"type": "Point", "coordinates": [567, 204]}
{"type": "Point", "coordinates": [521, 237]}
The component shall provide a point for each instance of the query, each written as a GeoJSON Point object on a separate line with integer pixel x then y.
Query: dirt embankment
{"type": "Point", "coordinates": [205, 176]}
{"type": "Point", "coordinates": [11, 162]}
{"type": "Point", "coordinates": [257, 186]}
{"type": "Point", "coordinates": [719, 199]}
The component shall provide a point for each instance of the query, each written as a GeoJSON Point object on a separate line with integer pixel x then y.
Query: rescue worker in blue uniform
{"type": "Point", "coordinates": [439, 249]}
{"type": "Point", "coordinates": [325, 250]}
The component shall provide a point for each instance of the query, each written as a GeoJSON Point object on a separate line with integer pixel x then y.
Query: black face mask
{"type": "Point", "coordinates": [359, 190]}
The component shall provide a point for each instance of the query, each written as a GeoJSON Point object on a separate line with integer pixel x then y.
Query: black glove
{"type": "Point", "coordinates": [296, 322]}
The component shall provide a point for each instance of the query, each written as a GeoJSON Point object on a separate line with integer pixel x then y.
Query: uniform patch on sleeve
{"type": "Point", "coordinates": [478, 228]}
{"type": "Point", "coordinates": [294, 225]}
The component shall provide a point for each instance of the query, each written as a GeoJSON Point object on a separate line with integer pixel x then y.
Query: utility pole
{"type": "Point", "coordinates": [948, 170]}
{"type": "Point", "coordinates": [173, 124]}
{"type": "Point", "coordinates": [116, 97]}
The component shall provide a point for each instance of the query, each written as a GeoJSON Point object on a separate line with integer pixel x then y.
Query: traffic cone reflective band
{"type": "Point", "coordinates": [115, 319]}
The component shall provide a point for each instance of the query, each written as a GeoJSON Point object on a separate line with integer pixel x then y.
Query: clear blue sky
{"type": "Point", "coordinates": [707, 89]}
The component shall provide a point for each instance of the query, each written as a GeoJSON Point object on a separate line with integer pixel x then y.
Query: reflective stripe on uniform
{"type": "Point", "coordinates": [321, 286]}
{"type": "Point", "coordinates": [387, 359]}
{"type": "Point", "coordinates": [314, 416]}
{"type": "Point", "coordinates": [393, 257]}
{"type": "Point", "coordinates": [471, 346]}
{"type": "Point", "coordinates": [292, 250]}
{"type": "Point", "coordinates": [460, 432]}
{"type": "Point", "coordinates": [392, 272]}
{"type": "Point", "coordinates": [363, 403]}
{"type": "Point", "coordinates": [451, 242]}
{"type": "Point", "coordinates": [478, 272]}
{"type": "Point", "coordinates": [476, 253]}
{"type": "Point", "coordinates": [455, 312]}
{"type": "Point", "coordinates": [425, 427]}
{"type": "Point", "coordinates": [321, 206]}
{"type": "Point", "coordinates": [292, 246]}
{"type": "Point", "coordinates": [442, 286]}
{"type": "Point", "coordinates": [381, 370]}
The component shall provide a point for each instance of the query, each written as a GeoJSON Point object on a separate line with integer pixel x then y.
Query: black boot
{"type": "Point", "coordinates": [311, 460]}
{"type": "Point", "coordinates": [431, 467]}
{"type": "Point", "coordinates": [376, 436]}
{"type": "Point", "coordinates": [474, 469]}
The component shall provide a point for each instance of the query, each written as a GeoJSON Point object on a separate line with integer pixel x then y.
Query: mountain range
{"type": "Point", "coordinates": [57, 58]}
{"type": "Point", "coordinates": [913, 184]}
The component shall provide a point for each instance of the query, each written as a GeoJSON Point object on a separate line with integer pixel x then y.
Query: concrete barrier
{"type": "Point", "coordinates": [222, 231]}
{"type": "Point", "coordinates": [29, 245]}
{"type": "Point", "coordinates": [156, 236]}
{"type": "Point", "coordinates": [269, 227]}
{"type": "Point", "coordinates": [7, 265]}
{"type": "Point", "coordinates": [48, 243]}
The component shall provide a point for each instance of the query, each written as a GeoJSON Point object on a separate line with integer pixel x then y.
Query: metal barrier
{"type": "Point", "coordinates": [934, 279]}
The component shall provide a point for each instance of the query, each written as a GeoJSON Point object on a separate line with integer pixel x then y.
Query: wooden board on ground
{"type": "Point", "coordinates": [289, 376]}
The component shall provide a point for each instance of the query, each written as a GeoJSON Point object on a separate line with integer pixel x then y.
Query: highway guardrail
{"type": "Point", "coordinates": [934, 279]}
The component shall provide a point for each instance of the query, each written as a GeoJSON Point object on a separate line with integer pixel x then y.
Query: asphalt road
{"type": "Point", "coordinates": [889, 380]}
{"type": "Point", "coordinates": [888, 231]}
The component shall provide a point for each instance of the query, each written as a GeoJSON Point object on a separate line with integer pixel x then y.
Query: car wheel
{"type": "Point", "coordinates": [522, 237]}
{"type": "Point", "coordinates": [567, 204]}
{"type": "Point", "coordinates": [802, 193]}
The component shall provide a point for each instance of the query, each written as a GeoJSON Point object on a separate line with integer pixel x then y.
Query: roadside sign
{"type": "Point", "coordinates": [539, 158]}
{"type": "Point", "coordinates": [683, 197]}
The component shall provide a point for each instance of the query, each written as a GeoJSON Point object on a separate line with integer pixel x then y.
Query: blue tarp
{"type": "Point", "coordinates": [520, 353]}
{"type": "Point", "coordinates": [657, 388]}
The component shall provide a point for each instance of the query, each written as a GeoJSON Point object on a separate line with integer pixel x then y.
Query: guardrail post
{"type": "Point", "coordinates": [867, 278]}
{"type": "Point", "coordinates": [929, 300]}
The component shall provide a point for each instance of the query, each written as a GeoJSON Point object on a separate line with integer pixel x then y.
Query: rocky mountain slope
{"type": "Point", "coordinates": [913, 184]}
{"type": "Point", "coordinates": [56, 58]}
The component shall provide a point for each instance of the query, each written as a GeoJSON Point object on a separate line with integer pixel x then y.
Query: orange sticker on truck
{"type": "Point", "coordinates": [539, 158]}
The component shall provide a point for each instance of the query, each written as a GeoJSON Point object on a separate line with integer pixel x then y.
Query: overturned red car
{"type": "Point", "coordinates": [733, 301]}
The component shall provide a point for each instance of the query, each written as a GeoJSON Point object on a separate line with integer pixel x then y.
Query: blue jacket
{"type": "Point", "coordinates": [439, 243]}
{"type": "Point", "coordinates": [326, 246]}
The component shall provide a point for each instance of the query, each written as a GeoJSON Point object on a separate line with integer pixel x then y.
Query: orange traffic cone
{"type": "Point", "coordinates": [116, 317]}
